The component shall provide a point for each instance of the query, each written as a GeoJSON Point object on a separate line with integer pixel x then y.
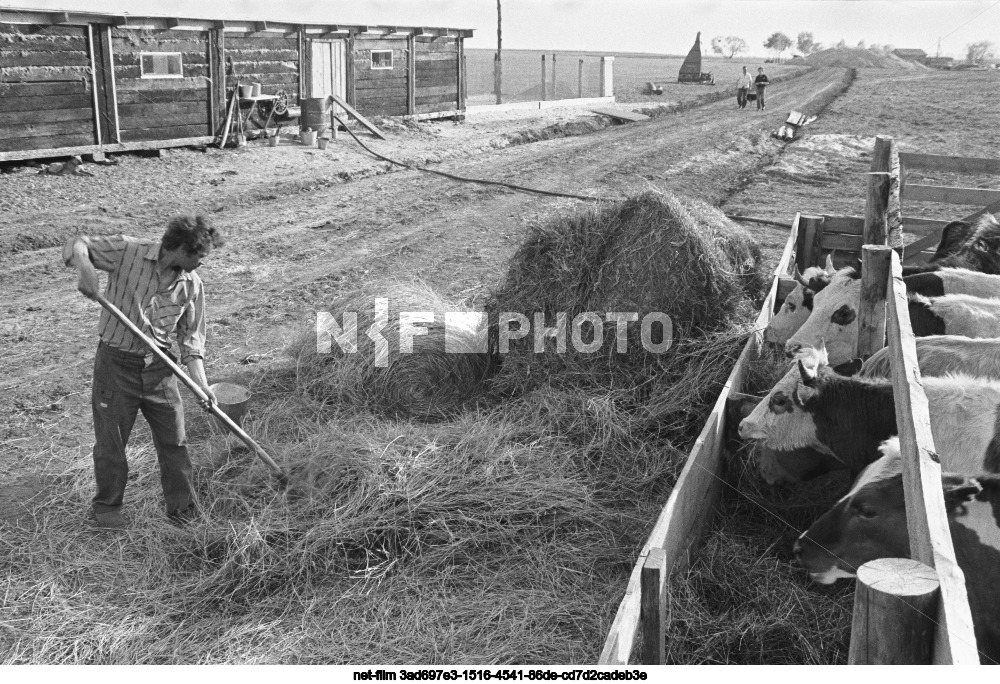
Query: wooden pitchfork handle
{"type": "Point", "coordinates": [193, 386]}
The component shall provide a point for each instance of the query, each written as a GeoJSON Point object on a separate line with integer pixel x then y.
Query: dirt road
{"type": "Point", "coordinates": [277, 270]}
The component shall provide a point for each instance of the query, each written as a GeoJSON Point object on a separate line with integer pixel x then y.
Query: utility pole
{"type": "Point", "coordinates": [939, 48]}
{"type": "Point", "coordinates": [498, 63]}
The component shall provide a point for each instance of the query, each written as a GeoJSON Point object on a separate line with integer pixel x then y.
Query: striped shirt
{"type": "Point", "coordinates": [157, 304]}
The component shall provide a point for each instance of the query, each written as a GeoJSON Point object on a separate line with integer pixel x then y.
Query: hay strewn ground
{"type": "Point", "coordinates": [501, 532]}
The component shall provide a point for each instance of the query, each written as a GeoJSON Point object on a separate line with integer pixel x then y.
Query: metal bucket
{"type": "Point", "coordinates": [315, 114]}
{"type": "Point", "coordinates": [233, 401]}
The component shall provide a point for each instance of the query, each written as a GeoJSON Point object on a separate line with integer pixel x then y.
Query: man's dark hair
{"type": "Point", "coordinates": [194, 233]}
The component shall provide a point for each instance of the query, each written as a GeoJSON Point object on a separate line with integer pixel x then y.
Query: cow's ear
{"type": "Point", "coordinates": [848, 368]}
{"type": "Point", "coordinates": [959, 490]}
{"type": "Point", "coordinates": [808, 374]}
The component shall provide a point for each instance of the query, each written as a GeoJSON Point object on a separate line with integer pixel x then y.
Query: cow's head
{"type": "Point", "coordinates": [870, 521]}
{"type": "Point", "coordinates": [800, 421]}
{"type": "Point", "coordinates": [834, 319]}
{"type": "Point", "coordinates": [792, 451]}
{"type": "Point", "coordinates": [799, 302]}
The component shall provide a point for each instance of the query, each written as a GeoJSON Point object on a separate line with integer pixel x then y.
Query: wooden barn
{"type": "Point", "coordinates": [78, 82]}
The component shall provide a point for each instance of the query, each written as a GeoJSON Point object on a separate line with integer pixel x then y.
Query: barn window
{"type": "Point", "coordinates": [381, 59]}
{"type": "Point", "coordinates": [161, 65]}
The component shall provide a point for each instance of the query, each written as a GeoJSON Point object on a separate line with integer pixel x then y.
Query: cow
{"type": "Point", "coordinates": [870, 523]}
{"type": "Point", "coordinates": [975, 247]}
{"type": "Point", "coordinates": [817, 421]}
{"type": "Point", "coordinates": [798, 304]}
{"type": "Point", "coordinates": [938, 355]}
{"type": "Point", "coordinates": [835, 316]}
{"type": "Point", "coordinates": [963, 247]}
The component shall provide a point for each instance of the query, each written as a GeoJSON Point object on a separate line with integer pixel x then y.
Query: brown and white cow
{"type": "Point", "coordinates": [870, 523]}
{"type": "Point", "coordinates": [818, 421]}
{"type": "Point", "coordinates": [798, 304]}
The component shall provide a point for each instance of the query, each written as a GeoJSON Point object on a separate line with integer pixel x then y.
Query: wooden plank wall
{"type": "Point", "coordinates": [267, 58]}
{"type": "Point", "coordinates": [46, 96]}
{"type": "Point", "coordinates": [381, 92]}
{"type": "Point", "coordinates": [437, 75]}
{"type": "Point", "coordinates": [162, 108]}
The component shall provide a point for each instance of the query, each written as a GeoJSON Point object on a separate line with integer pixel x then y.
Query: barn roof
{"type": "Point", "coordinates": [125, 20]}
{"type": "Point", "coordinates": [909, 53]}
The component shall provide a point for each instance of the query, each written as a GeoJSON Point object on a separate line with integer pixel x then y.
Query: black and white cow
{"type": "Point", "coordinates": [817, 421]}
{"type": "Point", "coordinates": [870, 523]}
{"type": "Point", "coordinates": [975, 246]}
{"type": "Point", "coordinates": [834, 317]}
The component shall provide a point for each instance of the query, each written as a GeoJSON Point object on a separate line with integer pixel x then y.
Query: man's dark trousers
{"type": "Point", "coordinates": [124, 384]}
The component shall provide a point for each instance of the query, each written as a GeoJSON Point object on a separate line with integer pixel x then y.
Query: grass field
{"type": "Point", "coordinates": [522, 75]}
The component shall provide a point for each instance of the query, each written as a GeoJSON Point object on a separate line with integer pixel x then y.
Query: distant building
{"type": "Point", "coordinates": [938, 62]}
{"type": "Point", "coordinates": [910, 54]}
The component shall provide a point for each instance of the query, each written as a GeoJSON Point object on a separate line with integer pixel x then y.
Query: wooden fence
{"type": "Point", "coordinates": [639, 627]}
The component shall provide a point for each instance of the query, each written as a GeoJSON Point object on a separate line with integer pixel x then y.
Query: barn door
{"type": "Point", "coordinates": [329, 69]}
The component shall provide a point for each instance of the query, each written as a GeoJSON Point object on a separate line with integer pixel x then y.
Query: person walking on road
{"type": "Point", "coordinates": [761, 83]}
{"type": "Point", "coordinates": [154, 284]}
{"type": "Point", "coordinates": [743, 84]}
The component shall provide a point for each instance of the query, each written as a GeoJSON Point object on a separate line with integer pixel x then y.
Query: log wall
{"type": "Point", "coordinates": [380, 92]}
{"type": "Point", "coordinates": [162, 108]}
{"type": "Point", "coordinates": [46, 92]}
{"type": "Point", "coordinates": [437, 75]}
{"type": "Point", "coordinates": [271, 59]}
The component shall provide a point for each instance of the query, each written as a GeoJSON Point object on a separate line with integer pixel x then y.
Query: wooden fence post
{"type": "Point", "coordinates": [895, 608]}
{"type": "Point", "coordinates": [544, 80]}
{"type": "Point", "coordinates": [894, 207]}
{"type": "Point", "coordinates": [877, 203]}
{"type": "Point", "coordinates": [579, 81]}
{"type": "Point", "coordinates": [810, 231]}
{"type": "Point", "coordinates": [653, 608]}
{"type": "Point", "coordinates": [555, 90]}
{"type": "Point", "coordinates": [875, 266]}
{"type": "Point", "coordinates": [607, 76]}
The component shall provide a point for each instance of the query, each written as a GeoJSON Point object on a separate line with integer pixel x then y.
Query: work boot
{"type": "Point", "coordinates": [183, 517]}
{"type": "Point", "coordinates": [110, 520]}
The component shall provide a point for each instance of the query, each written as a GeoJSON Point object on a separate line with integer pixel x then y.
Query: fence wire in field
{"type": "Point", "coordinates": [567, 75]}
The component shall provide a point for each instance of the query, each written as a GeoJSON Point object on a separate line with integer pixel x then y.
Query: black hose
{"type": "Point", "coordinates": [519, 188]}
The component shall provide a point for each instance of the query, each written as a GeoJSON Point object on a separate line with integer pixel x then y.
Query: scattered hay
{"type": "Point", "coordinates": [433, 378]}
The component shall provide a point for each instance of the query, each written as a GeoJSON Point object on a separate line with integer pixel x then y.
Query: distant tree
{"type": "Point", "coordinates": [875, 47]}
{"type": "Point", "coordinates": [861, 44]}
{"type": "Point", "coordinates": [730, 46]}
{"type": "Point", "coordinates": [887, 49]}
{"type": "Point", "coordinates": [980, 51]}
{"type": "Point", "coordinates": [842, 43]}
{"type": "Point", "coordinates": [805, 43]}
{"type": "Point", "coordinates": [778, 42]}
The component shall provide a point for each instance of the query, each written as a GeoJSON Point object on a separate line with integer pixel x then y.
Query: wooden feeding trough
{"type": "Point", "coordinates": [637, 634]}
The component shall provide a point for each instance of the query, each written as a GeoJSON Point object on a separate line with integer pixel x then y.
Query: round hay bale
{"type": "Point", "coordinates": [651, 253]}
{"type": "Point", "coordinates": [427, 375]}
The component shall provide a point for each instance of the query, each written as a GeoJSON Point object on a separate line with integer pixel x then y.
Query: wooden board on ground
{"type": "Point", "coordinates": [619, 114]}
{"type": "Point", "coordinates": [362, 120]}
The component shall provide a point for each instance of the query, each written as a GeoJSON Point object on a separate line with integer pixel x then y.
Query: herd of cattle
{"type": "Point", "coordinates": [833, 411]}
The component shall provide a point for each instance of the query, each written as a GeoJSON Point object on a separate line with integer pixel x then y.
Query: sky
{"type": "Point", "coordinates": [657, 26]}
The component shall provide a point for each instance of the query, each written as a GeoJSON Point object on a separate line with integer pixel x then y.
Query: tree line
{"type": "Point", "coordinates": [778, 43]}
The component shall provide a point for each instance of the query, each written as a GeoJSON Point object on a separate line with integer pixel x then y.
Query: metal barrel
{"type": "Point", "coordinates": [315, 114]}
